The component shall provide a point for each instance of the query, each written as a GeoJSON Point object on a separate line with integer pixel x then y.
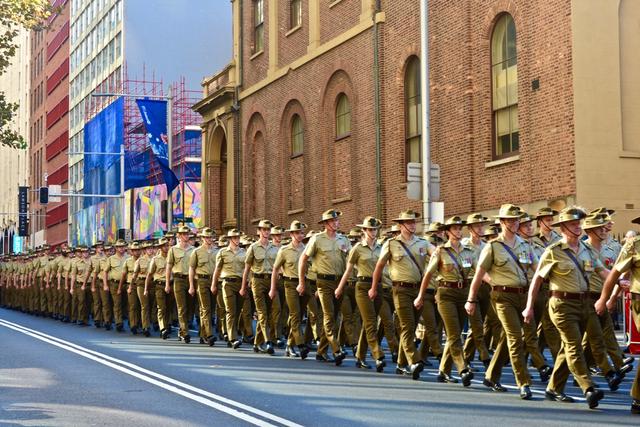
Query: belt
{"type": "Point", "coordinates": [262, 275]}
{"type": "Point", "coordinates": [406, 285]}
{"type": "Point", "coordinates": [570, 295]}
{"type": "Point", "coordinates": [204, 277]}
{"type": "Point", "coordinates": [634, 296]}
{"type": "Point", "coordinates": [180, 275]}
{"type": "Point", "coordinates": [311, 282]}
{"type": "Point", "coordinates": [510, 289]}
{"type": "Point", "coordinates": [594, 295]}
{"type": "Point", "coordinates": [232, 279]}
{"type": "Point", "coordinates": [460, 284]}
{"type": "Point", "coordinates": [290, 279]}
{"type": "Point", "coordinates": [430, 291]}
{"type": "Point", "coordinates": [332, 277]}
{"type": "Point", "coordinates": [160, 282]}
{"type": "Point", "coordinates": [365, 279]}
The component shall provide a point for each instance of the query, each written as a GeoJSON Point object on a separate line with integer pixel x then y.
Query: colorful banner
{"type": "Point", "coordinates": [98, 222]}
{"type": "Point", "coordinates": [154, 117]}
{"type": "Point", "coordinates": [147, 215]}
{"type": "Point", "coordinates": [187, 203]}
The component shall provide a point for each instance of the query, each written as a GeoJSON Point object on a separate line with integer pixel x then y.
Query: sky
{"type": "Point", "coordinates": [174, 38]}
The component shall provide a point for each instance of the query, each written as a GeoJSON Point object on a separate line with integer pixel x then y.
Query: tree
{"type": "Point", "coordinates": [29, 14]}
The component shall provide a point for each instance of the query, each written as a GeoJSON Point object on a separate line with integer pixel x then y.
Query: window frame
{"type": "Point", "coordinates": [342, 115]}
{"type": "Point", "coordinates": [258, 26]}
{"type": "Point", "coordinates": [294, 133]}
{"type": "Point", "coordinates": [297, 14]}
{"type": "Point", "coordinates": [508, 107]}
{"type": "Point", "coordinates": [412, 62]}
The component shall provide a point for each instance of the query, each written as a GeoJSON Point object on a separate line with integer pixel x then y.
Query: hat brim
{"type": "Point", "coordinates": [635, 220]}
{"type": "Point", "coordinates": [591, 227]}
{"type": "Point", "coordinates": [367, 226]}
{"type": "Point", "coordinates": [560, 222]}
{"type": "Point", "coordinates": [507, 216]}
{"type": "Point", "coordinates": [406, 219]}
{"type": "Point", "coordinates": [447, 226]}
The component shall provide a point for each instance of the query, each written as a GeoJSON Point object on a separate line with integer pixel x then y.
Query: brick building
{"type": "Point", "coordinates": [57, 133]}
{"type": "Point", "coordinates": [527, 106]}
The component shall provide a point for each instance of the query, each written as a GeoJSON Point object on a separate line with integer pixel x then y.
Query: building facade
{"type": "Point", "coordinates": [320, 108]}
{"type": "Point", "coordinates": [14, 163]}
{"type": "Point", "coordinates": [57, 125]}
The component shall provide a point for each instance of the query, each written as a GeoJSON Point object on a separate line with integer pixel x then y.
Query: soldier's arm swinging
{"type": "Point", "coordinates": [302, 270]}
{"type": "Point", "coordinates": [609, 283]}
{"type": "Point", "coordinates": [375, 279]}
{"type": "Point", "coordinates": [343, 281]}
{"type": "Point", "coordinates": [472, 299]}
{"type": "Point", "coordinates": [536, 282]}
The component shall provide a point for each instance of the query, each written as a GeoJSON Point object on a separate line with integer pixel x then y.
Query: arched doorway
{"type": "Point", "coordinates": [216, 178]}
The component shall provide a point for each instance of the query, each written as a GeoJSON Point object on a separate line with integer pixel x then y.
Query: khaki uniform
{"type": "Point", "coordinates": [364, 258]}
{"type": "Point", "coordinates": [231, 265]}
{"type": "Point", "coordinates": [629, 261]}
{"type": "Point", "coordinates": [178, 258]}
{"type": "Point", "coordinates": [202, 260]}
{"type": "Point", "coordinates": [133, 303]}
{"type": "Point", "coordinates": [261, 259]}
{"type": "Point", "coordinates": [96, 286]}
{"type": "Point", "coordinates": [140, 269]}
{"type": "Point", "coordinates": [509, 285]}
{"type": "Point", "coordinates": [105, 295]}
{"type": "Point", "coordinates": [157, 276]}
{"type": "Point", "coordinates": [113, 268]}
{"type": "Point", "coordinates": [79, 272]}
{"type": "Point", "coordinates": [64, 268]}
{"type": "Point", "coordinates": [287, 259]}
{"type": "Point", "coordinates": [329, 260]}
{"type": "Point", "coordinates": [452, 270]}
{"type": "Point", "coordinates": [405, 277]}
{"type": "Point", "coordinates": [569, 308]}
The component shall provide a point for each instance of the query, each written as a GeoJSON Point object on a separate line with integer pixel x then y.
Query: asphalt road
{"type": "Point", "coordinates": [55, 374]}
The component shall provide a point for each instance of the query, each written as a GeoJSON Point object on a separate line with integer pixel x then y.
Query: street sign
{"type": "Point", "coordinates": [23, 206]}
{"type": "Point", "coordinates": [54, 193]}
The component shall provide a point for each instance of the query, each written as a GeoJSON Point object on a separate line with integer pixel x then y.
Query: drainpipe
{"type": "Point", "coordinates": [424, 91]}
{"type": "Point", "coordinates": [238, 131]}
{"type": "Point", "coordinates": [376, 103]}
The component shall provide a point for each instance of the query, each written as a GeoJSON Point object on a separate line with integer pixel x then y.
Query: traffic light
{"type": "Point", "coordinates": [44, 195]}
{"type": "Point", "coordinates": [23, 203]}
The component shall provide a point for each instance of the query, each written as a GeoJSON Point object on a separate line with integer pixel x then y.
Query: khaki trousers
{"type": "Point", "coordinates": [387, 325]}
{"type": "Point", "coordinates": [408, 318]}
{"type": "Point", "coordinates": [635, 314]}
{"type": "Point", "coordinates": [315, 322]}
{"type": "Point", "coordinates": [451, 308]}
{"type": "Point", "coordinates": [570, 317]}
{"type": "Point", "coordinates": [162, 299]}
{"type": "Point", "coordinates": [266, 328]}
{"type": "Point", "coordinates": [181, 294]}
{"type": "Point", "coordinates": [593, 340]}
{"type": "Point", "coordinates": [107, 305]}
{"type": "Point", "coordinates": [610, 340]}
{"type": "Point", "coordinates": [369, 313]}
{"type": "Point", "coordinates": [330, 309]}
{"type": "Point", "coordinates": [97, 305]}
{"type": "Point", "coordinates": [117, 301]}
{"type": "Point", "coordinates": [133, 304]}
{"type": "Point", "coordinates": [547, 333]}
{"type": "Point", "coordinates": [475, 338]}
{"type": "Point", "coordinates": [233, 303]}
{"type": "Point", "coordinates": [145, 307]}
{"type": "Point", "coordinates": [349, 332]}
{"type": "Point", "coordinates": [297, 305]}
{"type": "Point", "coordinates": [204, 301]}
{"type": "Point", "coordinates": [509, 307]}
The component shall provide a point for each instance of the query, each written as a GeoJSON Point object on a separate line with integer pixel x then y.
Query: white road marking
{"type": "Point", "coordinates": [204, 397]}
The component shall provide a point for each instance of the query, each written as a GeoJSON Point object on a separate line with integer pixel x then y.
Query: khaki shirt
{"type": "Point", "coordinates": [401, 266]}
{"type": "Point", "coordinates": [141, 266]}
{"type": "Point", "coordinates": [42, 265]}
{"type": "Point", "coordinates": [114, 266]}
{"type": "Point", "coordinates": [364, 258]}
{"type": "Point", "coordinates": [203, 260]}
{"type": "Point", "coordinates": [563, 274]}
{"type": "Point", "coordinates": [287, 258]}
{"type": "Point", "coordinates": [614, 246]}
{"type": "Point", "coordinates": [476, 249]}
{"type": "Point", "coordinates": [451, 266]}
{"type": "Point", "coordinates": [179, 259]}
{"type": "Point", "coordinates": [128, 268]}
{"type": "Point", "coordinates": [607, 257]}
{"type": "Point", "coordinates": [543, 242]}
{"type": "Point", "coordinates": [231, 264]}
{"type": "Point", "coordinates": [157, 268]}
{"type": "Point", "coordinates": [502, 268]}
{"type": "Point", "coordinates": [102, 267]}
{"type": "Point", "coordinates": [80, 269]}
{"type": "Point", "coordinates": [629, 260]}
{"type": "Point", "coordinates": [329, 255]}
{"type": "Point", "coordinates": [261, 258]}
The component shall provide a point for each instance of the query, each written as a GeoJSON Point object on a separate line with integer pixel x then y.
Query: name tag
{"type": "Point", "coordinates": [466, 264]}
{"type": "Point", "coordinates": [524, 259]}
{"type": "Point", "coordinates": [588, 265]}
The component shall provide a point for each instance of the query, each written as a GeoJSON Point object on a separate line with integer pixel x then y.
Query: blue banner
{"type": "Point", "coordinates": [154, 117]}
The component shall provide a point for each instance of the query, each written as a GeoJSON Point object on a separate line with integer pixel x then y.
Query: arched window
{"type": "Point", "coordinates": [295, 14]}
{"type": "Point", "coordinates": [343, 116]}
{"type": "Point", "coordinates": [412, 110]}
{"type": "Point", "coordinates": [297, 136]}
{"type": "Point", "coordinates": [504, 77]}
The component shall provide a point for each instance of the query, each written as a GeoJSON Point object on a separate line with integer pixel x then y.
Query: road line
{"type": "Point", "coordinates": [148, 376]}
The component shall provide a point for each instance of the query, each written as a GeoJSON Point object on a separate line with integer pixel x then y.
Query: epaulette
{"type": "Point", "coordinates": [554, 244]}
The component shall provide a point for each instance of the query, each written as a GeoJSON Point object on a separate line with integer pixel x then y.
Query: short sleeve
{"type": "Point", "coordinates": [625, 259]}
{"type": "Point", "coordinates": [193, 259]}
{"type": "Point", "coordinates": [353, 256]}
{"type": "Point", "coordinates": [249, 257]}
{"type": "Point", "coordinates": [311, 248]}
{"type": "Point", "coordinates": [485, 260]}
{"type": "Point", "coordinates": [546, 263]}
{"type": "Point", "coordinates": [385, 252]}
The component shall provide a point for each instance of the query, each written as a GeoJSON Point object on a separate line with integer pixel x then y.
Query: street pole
{"type": "Point", "coordinates": [424, 89]}
{"type": "Point", "coordinates": [170, 156]}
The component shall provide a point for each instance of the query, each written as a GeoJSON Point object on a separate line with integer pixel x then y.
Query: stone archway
{"type": "Point", "coordinates": [216, 178]}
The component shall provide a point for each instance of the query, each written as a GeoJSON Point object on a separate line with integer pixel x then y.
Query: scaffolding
{"type": "Point", "coordinates": [187, 143]}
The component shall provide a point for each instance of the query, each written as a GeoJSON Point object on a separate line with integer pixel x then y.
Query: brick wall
{"type": "Point", "coordinates": [341, 173]}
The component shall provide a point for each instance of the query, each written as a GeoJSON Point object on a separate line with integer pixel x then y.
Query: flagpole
{"type": "Point", "coordinates": [170, 156]}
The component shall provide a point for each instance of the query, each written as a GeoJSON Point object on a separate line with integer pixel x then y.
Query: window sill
{"type": "Point", "coordinates": [293, 30]}
{"type": "Point", "coordinates": [344, 136]}
{"type": "Point", "coordinates": [333, 3]}
{"type": "Point", "coordinates": [295, 211]}
{"type": "Point", "coordinates": [500, 162]}
{"type": "Point", "coordinates": [295, 156]}
{"type": "Point", "coordinates": [255, 55]}
{"type": "Point", "coordinates": [341, 200]}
